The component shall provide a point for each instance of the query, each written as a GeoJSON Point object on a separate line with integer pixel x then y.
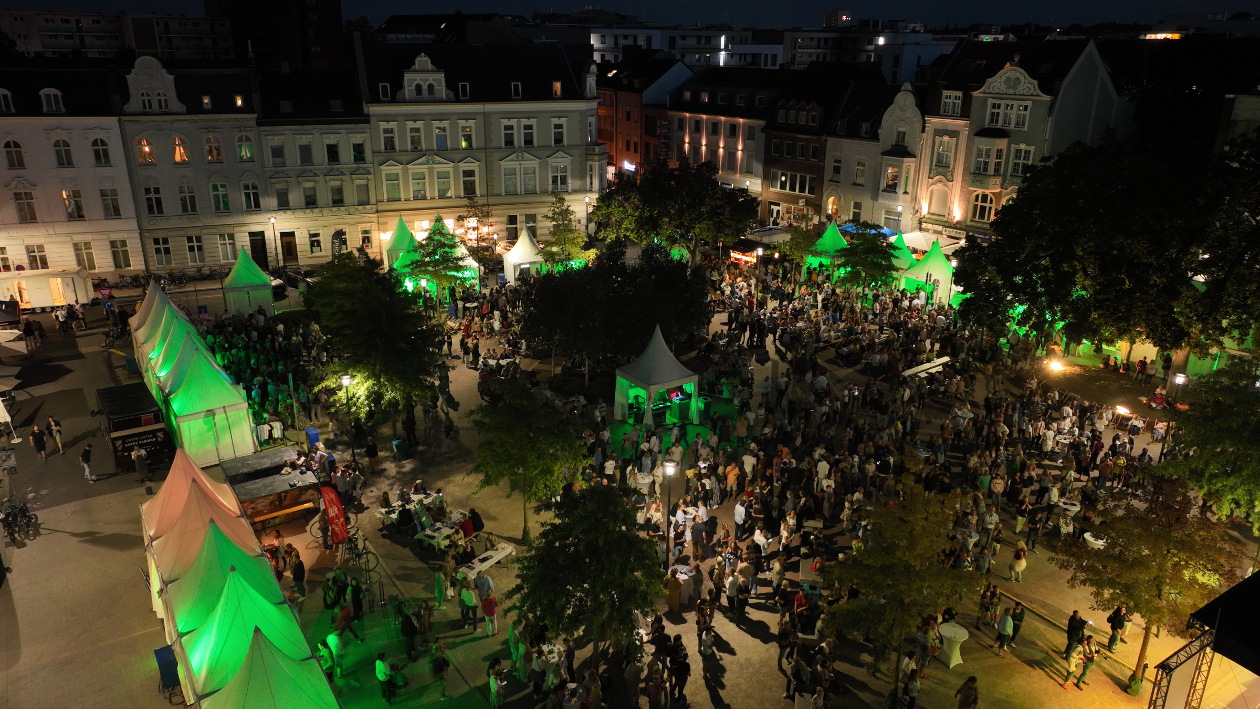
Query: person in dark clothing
{"type": "Point", "coordinates": [357, 595]}
{"type": "Point", "coordinates": [475, 518]}
{"type": "Point", "coordinates": [299, 578]}
{"type": "Point", "coordinates": [86, 459]}
{"type": "Point", "coordinates": [679, 673]}
{"type": "Point", "coordinates": [1075, 632]}
{"type": "Point", "coordinates": [407, 626]}
{"type": "Point", "coordinates": [39, 441]}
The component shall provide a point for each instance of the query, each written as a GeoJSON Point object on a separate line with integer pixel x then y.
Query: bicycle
{"type": "Point", "coordinates": [113, 336]}
{"type": "Point", "coordinates": [360, 556]}
{"type": "Point", "coordinates": [18, 521]}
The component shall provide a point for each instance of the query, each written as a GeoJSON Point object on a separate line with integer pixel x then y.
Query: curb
{"type": "Point", "coordinates": [1102, 648]}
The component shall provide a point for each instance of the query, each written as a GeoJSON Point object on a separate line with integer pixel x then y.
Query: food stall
{"type": "Point", "coordinates": [132, 417]}
{"type": "Point", "coordinates": [270, 491]}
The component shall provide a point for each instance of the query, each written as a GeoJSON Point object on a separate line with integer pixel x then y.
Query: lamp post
{"type": "Point", "coordinates": [671, 467]}
{"type": "Point", "coordinates": [1179, 378]}
{"type": "Point", "coordinates": [424, 293]}
{"type": "Point", "coordinates": [275, 240]}
{"type": "Point", "coordinates": [345, 388]}
{"type": "Point", "coordinates": [587, 224]}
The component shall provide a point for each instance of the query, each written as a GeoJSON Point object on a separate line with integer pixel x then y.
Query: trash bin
{"type": "Point", "coordinates": [312, 437]}
{"type": "Point", "coordinates": [400, 449]}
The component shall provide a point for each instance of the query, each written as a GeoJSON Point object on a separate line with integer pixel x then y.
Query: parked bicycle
{"type": "Point", "coordinates": [359, 555]}
{"type": "Point", "coordinates": [18, 521]}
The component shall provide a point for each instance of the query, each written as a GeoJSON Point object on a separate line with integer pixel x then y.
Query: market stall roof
{"type": "Point", "coordinates": [176, 551]}
{"type": "Point", "coordinates": [657, 367]}
{"type": "Point", "coordinates": [217, 650]}
{"type": "Point", "coordinates": [270, 679]}
{"type": "Point", "coordinates": [246, 273]}
{"type": "Point", "coordinates": [146, 307]}
{"type": "Point", "coordinates": [158, 318]}
{"type": "Point", "coordinates": [164, 508]}
{"type": "Point", "coordinates": [193, 596]}
{"type": "Point", "coordinates": [902, 258]}
{"type": "Point", "coordinates": [171, 361]}
{"type": "Point", "coordinates": [398, 242]}
{"type": "Point", "coordinates": [831, 242]}
{"type": "Point", "coordinates": [205, 387]}
{"type": "Point", "coordinates": [1237, 624]}
{"type": "Point", "coordinates": [525, 251]}
{"type": "Point", "coordinates": [934, 262]}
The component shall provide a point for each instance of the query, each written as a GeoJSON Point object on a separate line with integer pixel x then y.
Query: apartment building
{"type": "Point", "coordinates": [625, 89]}
{"type": "Point", "coordinates": [61, 34]}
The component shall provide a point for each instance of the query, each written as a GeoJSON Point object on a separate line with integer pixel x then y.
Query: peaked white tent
{"type": "Point", "coordinates": [655, 370]}
{"type": "Point", "coordinates": [524, 253]}
{"type": "Point", "coordinates": [175, 552]}
{"type": "Point", "coordinates": [270, 679]}
{"type": "Point", "coordinates": [146, 307]}
{"type": "Point", "coordinates": [160, 513]}
{"type": "Point", "coordinates": [247, 287]}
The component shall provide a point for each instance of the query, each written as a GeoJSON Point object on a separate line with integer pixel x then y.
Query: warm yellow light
{"type": "Point", "coordinates": [385, 235]}
{"type": "Point", "coordinates": [1056, 365]}
{"type": "Point", "coordinates": [1121, 409]}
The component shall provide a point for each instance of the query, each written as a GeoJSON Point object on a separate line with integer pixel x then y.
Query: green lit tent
{"type": "Point", "coordinates": [827, 249]}
{"type": "Point", "coordinates": [656, 370]}
{"type": "Point", "coordinates": [209, 412]}
{"type": "Point", "coordinates": [408, 256]}
{"type": "Point", "coordinates": [270, 679]}
{"type": "Point", "coordinates": [161, 319]}
{"type": "Point", "coordinates": [398, 242]}
{"type": "Point", "coordinates": [247, 287]}
{"type": "Point", "coordinates": [191, 598]}
{"type": "Point", "coordinates": [902, 258]}
{"type": "Point", "coordinates": [934, 267]}
{"type": "Point", "coordinates": [216, 651]}
{"type": "Point", "coordinates": [175, 552]}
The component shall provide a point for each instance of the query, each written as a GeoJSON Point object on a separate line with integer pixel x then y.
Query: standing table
{"type": "Point", "coordinates": [954, 636]}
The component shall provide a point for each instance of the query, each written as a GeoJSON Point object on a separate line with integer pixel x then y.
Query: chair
{"type": "Point", "coordinates": [168, 675]}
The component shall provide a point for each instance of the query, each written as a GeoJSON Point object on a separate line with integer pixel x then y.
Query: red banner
{"type": "Point", "coordinates": [336, 515]}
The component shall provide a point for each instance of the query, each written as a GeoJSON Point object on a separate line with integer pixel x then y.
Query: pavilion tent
{"type": "Point", "coordinates": [160, 318]}
{"type": "Point", "coordinates": [655, 370]}
{"type": "Point", "coordinates": [165, 371]}
{"type": "Point", "coordinates": [270, 679]}
{"type": "Point", "coordinates": [146, 307]}
{"type": "Point", "coordinates": [210, 415]}
{"type": "Point", "coordinates": [525, 253]}
{"type": "Point", "coordinates": [902, 258]}
{"type": "Point", "coordinates": [216, 652]}
{"type": "Point", "coordinates": [175, 552]}
{"type": "Point", "coordinates": [827, 248]}
{"type": "Point", "coordinates": [401, 240]}
{"type": "Point", "coordinates": [161, 511]}
{"type": "Point", "coordinates": [247, 287]}
{"type": "Point", "coordinates": [933, 267]}
{"type": "Point", "coordinates": [191, 598]}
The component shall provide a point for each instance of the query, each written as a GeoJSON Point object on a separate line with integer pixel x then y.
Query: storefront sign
{"type": "Point", "coordinates": [958, 233]}
{"type": "Point", "coordinates": [336, 515]}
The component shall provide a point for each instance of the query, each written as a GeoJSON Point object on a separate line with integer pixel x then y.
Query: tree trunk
{"type": "Point", "coordinates": [586, 373]}
{"type": "Point", "coordinates": [524, 515]}
{"type": "Point", "coordinates": [1180, 358]}
{"type": "Point", "coordinates": [1139, 667]}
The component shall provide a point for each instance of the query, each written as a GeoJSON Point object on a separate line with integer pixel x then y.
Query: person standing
{"type": "Point", "coordinates": [299, 578]}
{"type": "Point", "coordinates": [968, 694]}
{"type": "Point", "coordinates": [490, 609]}
{"type": "Point", "coordinates": [910, 692]}
{"type": "Point", "coordinates": [1005, 626]}
{"type": "Point", "coordinates": [1017, 621]}
{"type": "Point", "coordinates": [54, 431]}
{"type": "Point", "coordinates": [468, 606]}
{"type": "Point", "coordinates": [1116, 621]}
{"type": "Point", "coordinates": [86, 458]}
{"type": "Point", "coordinates": [141, 460]}
{"type": "Point", "coordinates": [679, 673]}
{"type": "Point", "coordinates": [1075, 632]}
{"type": "Point", "coordinates": [389, 678]}
{"type": "Point", "coordinates": [39, 441]}
{"type": "Point", "coordinates": [673, 591]}
{"type": "Point", "coordinates": [1018, 564]}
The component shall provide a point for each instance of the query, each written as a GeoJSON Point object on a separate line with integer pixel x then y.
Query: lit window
{"type": "Point", "coordinates": [214, 149]}
{"type": "Point", "coordinates": [206, 103]}
{"type": "Point", "coordinates": [219, 197]}
{"type": "Point", "coordinates": [180, 150]}
{"type": "Point", "coordinates": [245, 148]}
{"type": "Point", "coordinates": [239, 101]}
{"type": "Point", "coordinates": [74, 204]}
{"type": "Point", "coordinates": [144, 152]}
{"type": "Point", "coordinates": [555, 89]}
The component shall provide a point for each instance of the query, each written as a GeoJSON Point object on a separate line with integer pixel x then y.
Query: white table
{"type": "Point", "coordinates": [642, 481]}
{"type": "Point", "coordinates": [486, 560]}
{"type": "Point", "coordinates": [1069, 508]}
{"type": "Point", "coordinates": [953, 636]}
{"type": "Point", "coordinates": [437, 534]}
{"type": "Point", "coordinates": [1094, 542]}
{"type": "Point", "coordinates": [685, 577]}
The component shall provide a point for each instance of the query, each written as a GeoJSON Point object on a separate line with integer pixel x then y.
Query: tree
{"type": "Point", "coordinates": [1163, 558]}
{"type": "Point", "coordinates": [477, 216]}
{"type": "Point", "coordinates": [868, 260]}
{"type": "Point", "coordinates": [1218, 447]}
{"type": "Point", "coordinates": [526, 442]}
{"type": "Point", "coordinates": [589, 570]}
{"type": "Point", "coordinates": [564, 243]}
{"type": "Point", "coordinates": [678, 206]}
{"type": "Point", "coordinates": [377, 333]}
{"type": "Point", "coordinates": [800, 244]}
{"type": "Point", "coordinates": [899, 573]}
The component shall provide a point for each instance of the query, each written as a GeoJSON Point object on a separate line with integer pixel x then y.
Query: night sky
{"type": "Point", "coordinates": [808, 13]}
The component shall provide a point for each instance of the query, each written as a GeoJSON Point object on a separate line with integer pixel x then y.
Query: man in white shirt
{"type": "Point", "coordinates": [740, 518]}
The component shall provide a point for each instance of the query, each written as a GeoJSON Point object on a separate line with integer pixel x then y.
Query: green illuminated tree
{"type": "Point", "coordinates": [899, 574]}
{"type": "Point", "coordinates": [437, 258]}
{"type": "Point", "coordinates": [682, 207]}
{"type": "Point", "coordinates": [376, 333]}
{"type": "Point", "coordinates": [565, 240]}
{"type": "Point", "coordinates": [527, 443]}
{"type": "Point", "coordinates": [1163, 559]}
{"type": "Point", "coordinates": [868, 260]}
{"type": "Point", "coordinates": [589, 570]}
{"type": "Point", "coordinates": [1218, 448]}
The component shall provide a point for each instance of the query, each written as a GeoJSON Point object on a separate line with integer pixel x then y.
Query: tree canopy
{"type": "Point", "coordinates": [681, 207]}
{"type": "Point", "coordinates": [1162, 558]}
{"type": "Point", "coordinates": [1218, 447]}
{"type": "Point", "coordinates": [437, 257]}
{"type": "Point", "coordinates": [565, 241]}
{"type": "Point", "coordinates": [868, 260]}
{"type": "Point", "coordinates": [898, 572]}
{"type": "Point", "coordinates": [527, 443]}
{"type": "Point", "coordinates": [376, 332]}
{"type": "Point", "coordinates": [589, 570]}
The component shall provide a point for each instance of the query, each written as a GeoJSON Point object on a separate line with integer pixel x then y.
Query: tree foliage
{"type": "Point", "coordinates": [611, 307]}
{"type": "Point", "coordinates": [376, 333]}
{"type": "Point", "coordinates": [1218, 448]}
{"type": "Point", "coordinates": [681, 207]}
{"type": "Point", "coordinates": [477, 214]}
{"type": "Point", "coordinates": [800, 244]}
{"type": "Point", "coordinates": [565, 241]}
{"type": "Point", "coordinates": [437, 258]}
{"type": "Point", "coordinates": [588, 571]}
{"type": "Point", "coordinates": [868, 260]}
{"type": "Point", "coordinates": [526, 442]}
{"type": "Point", "coordinates": [899, 573]}
{"type": "Point", "coordinates": [1162, 558]}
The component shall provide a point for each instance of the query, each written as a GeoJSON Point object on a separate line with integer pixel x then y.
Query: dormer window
{"type": "Point", "coordinates": [206, 103]}
{"type": "Point", "coordinates": [163, 102]}
{"type": "Point", "coordinates": [383, 88]}
{"type": "Point", "coordinates": [555, 90]}
{"type": "Point", "coordinates": [146, 101]}
{"type": "Point", "coordinates": [516, 89]}
{"type": "Point", "coordinates": [464, 91]}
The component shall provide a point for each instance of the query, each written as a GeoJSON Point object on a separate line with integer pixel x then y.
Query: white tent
{"type": "Point", "coordinates": [160, 512]}
{"type": "Point", "coordinates": [654, 370]}
{"type": "Point", "coordinates": [524, 253]}
{"type": "Point", "coordinates": [146, 307]}
{"type": "Point", "coordinates": [247, 287]}
{"type": "Point", "coordinates": [175, 551]}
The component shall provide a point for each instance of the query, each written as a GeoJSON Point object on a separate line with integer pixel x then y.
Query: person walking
{"type": "Point", "coordinates": [1018, 564]}
{"type": "Point", "coordinates": [1117, 620]}
{"type": "Point", "coordinates": [1017, 621]}
{"type": "Point", "coordinates": [910, 692]}
{"type": "Point", "coordinates": [39, 441]}
{"type": "Point", "coordinates": [1089, 655]}
{"type": "Point", "coordinates": [1005, 626]}
{"type": "Point", "coordinates": [86, 458]}
{"type": "Point", "coordinates": [968, 694]}
{"type": "Point", "coordinates": [468, 606]}
{"type": "Point", "coordinates": [54, 432]}
{"type": "Point", "coordinates": [1034, 531]}
{"type": "Point", "coordinates": [387, 674]}
{"type": "Point", "coordinates": [299, 578]}
{"type": "Point", "coordinates": [490, 609]}
{"type": "Point", "coordinates": [1075, 632]}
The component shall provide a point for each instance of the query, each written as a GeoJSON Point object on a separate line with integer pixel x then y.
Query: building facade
{"type": "Point", "coordinates": [626, 89]}
{"type": "Point", "coordinates": [61, 34]}
{"type": "Point", "coordinates": [451, 125]}
{"type": "Point", "coordinates": [65, 196]}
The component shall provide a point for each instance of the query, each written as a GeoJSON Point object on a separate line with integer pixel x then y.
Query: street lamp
{"type": "Point", "coordinates": [587, 224]}
{"type": "Point", "coordinates": [1179, 378]}
{"type": "Point", "coordinates": [345, 388]}
{"type": "Point", "coordinates": [275, 240]}
{"type": "Point", "coordinates": [671, 467]}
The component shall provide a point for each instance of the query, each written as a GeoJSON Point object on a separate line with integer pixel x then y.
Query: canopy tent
{"type": "Point", "coordinates": [934, 267]}
{"type": "Point", "coordinates": [160, 512]}
{"type": "Point", "coordinates": [270, 679]}
{"type": "Point", "coordinates": [827, 248]}
{"type": "Point", "coordinates": [902, 258]}
{"type": "Point", "coordinates": [1233, 616]}
{"type": "Point", "coordinates": [146, 307]}
{"type": "Point", "coordinates": [247, 287]}
{"type": "Point", "coordinates": [216, 651]}
{"type": "Point", "coordinates": [524, 254]}
{"type": "Point", "coordinates": [655, 370]}
{"type": "Point", "coordinates": [401, 240]}
{"type": "Point", "coordinates": [175, 552]}
{"type": "Point", "coordinates": [210, 414]}
{"type": "Point", "coordinates": [191, 598]}
{"type": "Point", "coordinates": [161, 318]}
